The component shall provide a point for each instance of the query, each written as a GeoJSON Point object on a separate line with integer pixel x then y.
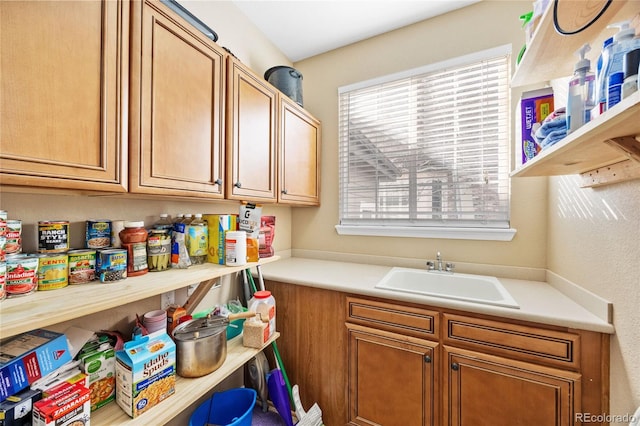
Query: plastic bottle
{"type": "Point", "coordinates": [614, 92]}
{"type": "Point", "coordinates": [179, 255]}
{"type": "Point", "coordinates": [602, 69]}
{"type": "Point", "coordinates": [581, 92]}
{"type": "Point", "coordinates": [134, 239]}
{"type": "Point", "coordinates": [235, 248]}
{"type": "Point", "coordinates": [264, 305]}
{"type": "Point", "coordinates": [165, 222]}
{"type": "Point", "coordinates": [631, 63]}
{"type": "Point", "coordinates": [623, 42]}
{"type": "Point", "coordinates": [198, 240]}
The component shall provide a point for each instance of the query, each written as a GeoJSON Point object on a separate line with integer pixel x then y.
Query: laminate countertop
{"type": "Point", "coordinates": [539, 301]}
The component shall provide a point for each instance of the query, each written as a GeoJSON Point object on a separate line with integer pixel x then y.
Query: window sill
{"type": "Point", "coordinates": [487, 234]}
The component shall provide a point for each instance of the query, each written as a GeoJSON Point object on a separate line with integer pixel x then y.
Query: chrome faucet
{"type": "Point", "coordinates": [437, 265]}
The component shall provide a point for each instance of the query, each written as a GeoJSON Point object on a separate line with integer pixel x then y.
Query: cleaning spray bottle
{"type": "Point", "coordinates": [581, 97]}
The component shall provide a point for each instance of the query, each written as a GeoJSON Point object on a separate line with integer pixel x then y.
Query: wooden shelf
{"type": "Point", "coordinates": [551, 55]}
{"type": "Point", "coordinates": [187, 391]}
{"type": "Point", "coordinates": [44, 308]}
{"type": "Point", "coordinates": [586, 149]}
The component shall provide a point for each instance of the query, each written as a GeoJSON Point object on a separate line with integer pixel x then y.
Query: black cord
{"type": "Point", "coordinates": [563, 32]}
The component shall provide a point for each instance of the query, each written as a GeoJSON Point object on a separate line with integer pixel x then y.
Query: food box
{"type": "Point", "coordinates": [99, 363]}
{"type": "Point", "coordinates": [145, 373]}
{"type": "Point", "coordinates": [534, 107]}
{"type": "Point", "coordinates": [28, 357]}
{"type": "Point", "coordinates": [18, 409]}
{"type": "Point", "coordinates": [218, 224]}
{"type": "Point", "coordinates": [67, 404]}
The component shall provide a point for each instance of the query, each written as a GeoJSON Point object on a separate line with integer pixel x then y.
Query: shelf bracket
{"type": "Point", "coordinates": [614, 173]}
{"type": "Point", "coordinates": [630, 145]}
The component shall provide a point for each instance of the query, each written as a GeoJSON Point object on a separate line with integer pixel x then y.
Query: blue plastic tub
{"type": "Point", "coordinates": [233, 407]}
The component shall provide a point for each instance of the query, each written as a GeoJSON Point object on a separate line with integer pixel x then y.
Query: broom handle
{"type": "Point", "coordinates": [274, 346]}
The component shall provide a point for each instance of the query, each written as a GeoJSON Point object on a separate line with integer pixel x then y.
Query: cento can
{"type": "Point", "coordinates": [98, 233]}
{"type": "Point", "coordinates": [22, 275]}
{"type": "Point", "coordinates": [113, 265]}
{"type": "Point", "coordinates": [82, 266]}
{"type": "Point", "coordinates": [53, 236]}
{"type": "Point", "coordinates": [53, 272]}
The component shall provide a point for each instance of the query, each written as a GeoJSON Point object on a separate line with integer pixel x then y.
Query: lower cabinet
{"type": "Point", "coordinates": [494, 391]}
{"type": "Point", "coordinates": [391, 378]}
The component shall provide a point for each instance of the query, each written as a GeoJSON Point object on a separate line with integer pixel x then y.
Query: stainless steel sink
{"type": "Point", "coordinates": [469, 288]}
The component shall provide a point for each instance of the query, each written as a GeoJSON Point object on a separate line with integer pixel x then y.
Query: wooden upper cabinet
{"type": "Point", "coordinates": [64, 94]}
{"type": "Point", "coordinates": [177, 113]}
{"type": "Point", "coordinates": [299, 165]}
{"type": "Point", "coordinates": [251, 135]}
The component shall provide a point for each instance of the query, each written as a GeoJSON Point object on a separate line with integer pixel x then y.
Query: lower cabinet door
{"type": "Point", "coordinates": [391, 378]}
{"type": "Point", "coordinates": [484, 390]}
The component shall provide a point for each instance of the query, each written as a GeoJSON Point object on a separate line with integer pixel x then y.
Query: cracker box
{"type": "Point", "coordinates": [67, 404]}
{"type": "Point", "coordinates": [534, 107]}
{"type": "Point", "coordinates": [145, 373]}
{"type": "Point", "coordinates": [28, 357]}
{"type": "Point", "coordinates": [18, 409]}
{"type": "Point", "coordinates": [218, 224]}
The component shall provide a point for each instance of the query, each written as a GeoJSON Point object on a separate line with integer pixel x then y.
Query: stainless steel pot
{"type": "Point", "coordinates": [201, 344]}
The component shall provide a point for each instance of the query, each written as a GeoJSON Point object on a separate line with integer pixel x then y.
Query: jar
{"type": "Point", "coordinates": [134, 240]}
{"type": "Point", "coordinates": [264, 305]}
{"type": "Point", "coordinates": [159, 250]}
{"type": "Point", "coordinates": [235, 248]}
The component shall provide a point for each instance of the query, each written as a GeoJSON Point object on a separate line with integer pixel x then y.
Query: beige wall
{"type": "Point", "coordinates": [591, 237]}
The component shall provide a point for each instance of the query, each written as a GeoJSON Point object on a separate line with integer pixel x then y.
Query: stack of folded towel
{"type": "Point", "coordinates": [552, 129]}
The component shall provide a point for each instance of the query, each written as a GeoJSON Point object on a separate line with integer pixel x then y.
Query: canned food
{"type": "Point", "coordinates": [82, 266]}
{"type": "Point", "coordinates": [3, 227]}
{"type": "Point", "coordinates": [3, 253]}
{"type": "Point", "coordinates": [113, 265]}
{"type": "Point", "coordinates": [14, 237]}
{"type": "Point", "coordinates": [98, 233]}
{"type": "Point", "coordinates": [53, 271]}
{"type": "Point", "coordinates": [3, 280]}
{"type": "Point", "coordinates": [22, 275]}
{"type": "Point", "coordinates": [3, 215]}
{"type": "Point", "coordinates": [53, 236]}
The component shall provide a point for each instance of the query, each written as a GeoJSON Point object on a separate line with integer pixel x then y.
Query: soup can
{"type": "Point", "coordinates": [4, 215]}
{"type": "Point", "coordinates": [14, 237]}
{"type": "Point", "coordinates": [82, 266]}
{"type": "Point", "coordinates": [3, 253]}
{"type": "Point", "coordinates": [3, 280]}
{"type": "Point", "coordinates": [22, 275]}
{"type": "Point", "coordinates": [53, 272]}
{"type": "Point", "coordinates": [113, 265]}
{"type": "Point", "coordinates": [53, 236]}
{"type": "Point", "coordinates": [98, 233]}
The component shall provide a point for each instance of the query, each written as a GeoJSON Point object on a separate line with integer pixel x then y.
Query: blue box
{"type": "Point", "coordinates": [28, 357]}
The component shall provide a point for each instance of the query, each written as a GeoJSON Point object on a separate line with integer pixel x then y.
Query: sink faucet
{"type": "Point", "coordinates": [439, 265]}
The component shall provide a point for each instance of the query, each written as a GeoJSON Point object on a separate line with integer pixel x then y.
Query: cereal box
{"type": "Point", "coordinates": [28, 357]}
{"type": "Point", "coordinates": [533, 108]}
{"type": "Point", "coordinates": [218, 224]}
{"type": "Point", "coordinates": [67, 404]}
{"type": "Point", "coordinates": [145, 372]}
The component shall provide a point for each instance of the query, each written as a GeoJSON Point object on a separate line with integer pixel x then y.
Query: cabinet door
{"type": "Point", "coordinates": [251, 135]}
{"type": "Point", "coordinates": [484, 390]}
{"type": "Point", "coordinates": [299, 151]}
{"type": "Point", "coordinates": [177, 114]}
{"type": "Point", "coordinates": [391, 378]}
{"type": "Point", "coordinates": [63, 85]}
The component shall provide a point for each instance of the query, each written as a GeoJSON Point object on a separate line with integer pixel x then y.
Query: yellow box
{"type": "Point", "coordinates": [219, 224]}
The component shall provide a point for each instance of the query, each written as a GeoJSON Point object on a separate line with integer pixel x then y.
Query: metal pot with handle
{"type": "Point", "coordinates": [201, 344]}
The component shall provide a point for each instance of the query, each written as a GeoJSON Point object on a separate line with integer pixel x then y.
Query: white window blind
{"type": "Point", "coordinates": [428, 147]}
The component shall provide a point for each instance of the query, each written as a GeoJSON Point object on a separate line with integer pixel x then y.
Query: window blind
{"type": "Point", "coordinates": [428, 147]}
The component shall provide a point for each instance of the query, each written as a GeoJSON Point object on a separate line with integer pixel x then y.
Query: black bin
{"type": "Point", "coordinates": [286, 79]}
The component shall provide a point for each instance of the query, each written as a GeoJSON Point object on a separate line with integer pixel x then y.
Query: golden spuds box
{"type": "Point", "coordinates": [145, 372]}
{"type": "Point", "coordinates": [218, 224]}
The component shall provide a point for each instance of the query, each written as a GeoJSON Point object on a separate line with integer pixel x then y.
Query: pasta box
{"type": "Point", "coordinates": [145, 372]}
{"type": "Point", "coordinates": [67, 404]}
{"type": "Point", "coordinates": [28, 357]}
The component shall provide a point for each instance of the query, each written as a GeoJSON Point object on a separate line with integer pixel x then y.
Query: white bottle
{"type": "Point", "coordinates": [581, 96]}
{"type": "Point", "coordinates": [264, 304]}
{"type": "Point", "coordinates": [623, 42]}
{"type": "Point", "coordinates": [604, 63]}
{"type": "Point", "coordinates": [235, 248]}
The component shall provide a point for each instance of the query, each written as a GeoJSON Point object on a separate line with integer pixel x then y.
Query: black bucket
{"type": "Point", "coordinates": [288, 80]}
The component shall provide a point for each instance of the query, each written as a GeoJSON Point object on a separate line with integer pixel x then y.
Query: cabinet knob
{"type": "Point", "coordinates": [284, 191]}
{"type": "Point", "coordinates": [455, 366]}
{"type": "Point", "coordinates": [427, 359]}
{"type": "Point", "coordinates": [237, 185]}
{"type": "Point", "coordinates": [218, 181]}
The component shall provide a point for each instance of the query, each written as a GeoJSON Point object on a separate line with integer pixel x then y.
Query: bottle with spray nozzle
{"type": "Point", "coordinates": [581, 96]}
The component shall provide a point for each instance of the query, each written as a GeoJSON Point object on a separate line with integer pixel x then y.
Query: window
{"type": "Point", "coordinates": [426, 152]}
